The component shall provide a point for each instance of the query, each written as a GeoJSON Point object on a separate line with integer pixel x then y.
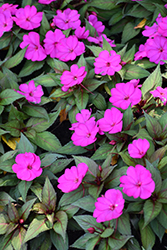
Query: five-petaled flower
{"type": "Point", "coordinates": [137, 182]}
{"type": "Point", "coordinates": [138, 148]}
{"type": "Point", "coordinates": [72, 178]}
{"type": "Point", "coordinates": [31, 93]}
{"type": "Point", "coordinates": [73, 77]}
{"type": "Point", "coordinates": [27, 167]}
{"type": "Point", "coordinates": [109, 206]}
{"type": "Point", "coordinates": [161, 93]}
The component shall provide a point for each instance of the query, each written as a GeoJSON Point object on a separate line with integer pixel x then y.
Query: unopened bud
{"type": "Point", "coordinates": [112, 142]}
{"type": "Point", "coordinates": [93, 13]}
{"type": "Point", "coordinates": [53, 26]}
{"type": "Point", "coordinates": [91, 230]}
{"type": "Point", "coordinates": [100, 168]}
{"type": "Point", "coordinates": [21, 221]}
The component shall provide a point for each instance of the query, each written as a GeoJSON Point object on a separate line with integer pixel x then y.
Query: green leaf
{"type": "Point", "coordinates": [25, 145]}
{"type": "Point", "coordinates": [57, 65]}
{"type": "Point", "coordinates": [14, 114]}
{"type": "Point", "coordinates": [93, 167]}
{"type": "Point", "coordinates": [45, 27]}
{"type": "Point", "coordinates": [16, 59]}
{"type": "Point", "coordinates": [95, 190]}
{"type": "Point", "coordinates": [49, 195]}
{"type": "Point", "coordinates": [8, 96]}
{"type": "Point", "coordinates": [29, 67]}
{"type": "Point", "coordinates": [8, 155]}
{"type": "Point", "coordinates": [23, 188]}
{"type": "Point", "coordinates": [134, 72]}
{"type": "Point", "coordinates": [59, 165]}
{"type": "Point", "coordinates": [127, 117]}
{"type": "Point", "coordinates": [157, 228]}
{"type": "Point", "coordinates": [127, 159]}
{"type": "Point", "coordinates": [99, 101]}
{"type": "Point", "coordinates": [116, 242]}
{"type": "Point", "coordinates": [18, 237]}
{"type": "Point", "coordinates": [156, 176]}
{"type": "Point", "coordinates": [37, 190]}
{"type": "Point", "coordinates": [87, 221]}
{"type": "Point", "coordinates": [129, 55]}
{"type": "Point", "coordinates": [133, 244]}
{"type": "Point", "coordinates": [35, 111]}
{"type": "Point", "coordinates": [81, 242]}
{"type": "Point", "coordinates": [107, 232]}
{"type": "Point", "coordinates": [12, 213]}
{"type": "Point", "coordinates": [47, 141]}
{"type": "Point", "coordinates": [154, 80]}
{"type": "Point", "coordinates": [147, 235]}
{"type": "Point", "coordinates": [102, 152]}
{"type": "Point", "coordinates": [41, 124]}
{"type": "Point", "coordinates": [58, 241]}
{"type": "Point", "coordinates": [114, 179]}
{"type": "Point", "coordinates": [81, 99]}
{"type": "Point", "coordinates": [35, 228]}
{"type": "Point", "coordinates": [87, 203]}
{"type": "Point", "coordinates": [3, 224]}
{"type": "Point", "coordinates": [153, 126]}
{"type": "Point", "coordinates": [70, 149]}
{"type": "Point", "coordinates": [151, 211]}
{"type": "Point", "coordinates": [69, 198]}
{"type": "Point", "coordinates": [5, 198]}
{"type": "Point", "coordinates": [124, 224]}
{"type": "Point", "coordinates": [46, 80]}
{"type": "Point", "coordinates": [95, 49]}
{"type": "Point", "coordinates": [91, 243]}
{"type": "Point", "coordinates": [162, 217]}
{"type": "Point", "coordinates": [60, 226]}
{"type": "Point", "coordinates": [25, 210]}
{"type": "Point", "coordinates": [104, 5]}
{"type": "Point", "coordinates": [8, 180]}
{"type": "Point", "coordinates": [129, 32]}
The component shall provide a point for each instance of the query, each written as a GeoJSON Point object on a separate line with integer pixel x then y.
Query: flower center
{"type": "Point", "coordinates": [31, 94]}
{"type": "Point", "coordinates": [76, 180]}
{"type": "Point", "coordinates": [126, 97]}
{"type": "Point", "coordinates": [75, 77]}
{"type": "Point", "coordinates": [88, 135]}
{"type": "Point", "coordinates": [29, 167]}
{"type": "Point", "coordinates": [141, 152]}
{"type": "Point", "coordinates": [161, 50]}
{"type": "Point", "coordinates": [138, 184]}
{"type": "Point", "coordinates": [36, 47]}
{"type": "Point", "coordinates": [28, 19]}
{"type": "Point", "coordinates": [108, 64]}
{"type": "Point", "coordinates": [66, 21]}
{"type": "Point", "coordinates": [5, 24]}
{"type": "Point", "coordinates": [113, 206]}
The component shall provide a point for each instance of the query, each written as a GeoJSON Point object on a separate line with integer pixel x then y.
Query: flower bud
{"type": "Point", "coordinates": [91, 230]}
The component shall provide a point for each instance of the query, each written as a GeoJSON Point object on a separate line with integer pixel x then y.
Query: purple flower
{"type": "Point", "coordinates": [72, 178]}
{"type": "Point", "coordinates": [138, 148]}
{"type": "Point", "coordinates": [99, 27]}
{"type": "Point", "coordinates": [27, 167]}
{"type": "Point", "coordinates": [160, 93]}
{"type": "Point", "coordinates": [52, 39]}
{"type": "Point", "coordinates": [35, 51]}
{"type": "Point", "coordinates": [109, 206]}
{"type": "Point", "coordinates": [70, 48]}
{"type": "Point", "coordinates": [112, 121]}
{"type": "Point", "coordinates": [27, 18]}
{"type": "Point", "coordinates": [156, 49]}
{"type": "Point", "coordinates": [107, 63]}
{"type": "Point", "coordinates": [137, 182]}
{"type": "Point", "coordinates": [31, 93]}
{"type": "Point", "coordinates": [141, 53]}
{"type": "Point", "coordinates": [73, 77]}
{"type": "Point", "coordinates": [99, 40]}
{"type": "Point", "coordinates": [67, 19]}
{"type": "Point", "coordinates": [81, 33]}
{"type": "Point", "coordinates": [125, 94]}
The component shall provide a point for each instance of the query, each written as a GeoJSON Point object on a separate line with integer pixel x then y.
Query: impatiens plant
{"type": "Point", "coordinates": [83, 125]}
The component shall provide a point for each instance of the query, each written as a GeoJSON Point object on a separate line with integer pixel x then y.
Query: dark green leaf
{"type": "Point", "coordinates": [147, 235]}
{"type": "Point", "coordinates": [23, 188]}
{"type": "Point", "coordinates": [87, 203]}
{"type": "Point", "coordinates": [16, 59]}
{"type": "Point", "coordinates": [60, 226]}
{"type": "Point", "coordinates": [58, 241]}
{"type": "Point", "coordinates": [124, 224]}
{"type": "Point", "coordinates": [151, 210]}
{"type": "Point", "coordinates": [25, 145]}
{"type": "Point", "coordinates": [29, 67]}
{"type": "Point", "coordinates": [8, 96]}
{"type": "Point", "coordinates": [24, 211]}
{"type": "Point", "coordinates": [87, 221]}
{"type": "Point", "coordinates": [49, 195]}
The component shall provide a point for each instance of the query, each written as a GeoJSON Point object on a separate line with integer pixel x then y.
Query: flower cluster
{"type": "Point", "coordinates": [155, 47]}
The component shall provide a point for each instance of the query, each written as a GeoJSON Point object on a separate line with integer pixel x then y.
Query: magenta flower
{"type": "Point", "coordinates": [112, 121]}
{"type": "Point", "coordinates": [31, 93]}
{"type": "Point", "coordinates": [151, 31]}
{"type": "Point", "coordinates": [162, 26]}
{"type": "Point", "coordinates": [52, 39]}
{"type": "Point", "coordinates": [27, 18]}
{"type": "Point", "coordinates": [73, 77]}
{"type": "Point", "coordinates": [35, 51]}
{"type": "Point", "coordinates": [107, 63]}
{"type": "Point", "coordinates": [141, 53]}
{"type": "Point", "coordinates": [46, 1]}
{"type": "Point", "coordinates": [6, 22]}
{"type": "Point", "coordinates": [70, 48]}
{"type": "Point", "coordinates": [81, 118]}
{"type": "Point", "coordinates": [99, 27]}
{"type": "Point", "coordinates": [125, 94]}
{"type": "Point", "coordinates": [72, 178]}
{"type": "Point", "coordinates": [99, 40]}
{"type": "Point", "coordinates": [9, 7]}
{"type": "Point", "coordinates": [156, 49]}
{"type": "Point", "coordinates": [27, 166]}
{"type": "Point", "coordinates": [138, 148]}
{"type": "Point", "coordinates": [109, 206]}
{"type": "Point", "coordinates": [160, 93]}
{"type": "Point", "coordinates": [67, 19]}
{"type": "Point", "coordinates": [137, 182]}
{"type": "Point", "coordinates": [85, 133]}
{"type": "Point", "coordinates": [81, 33]}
